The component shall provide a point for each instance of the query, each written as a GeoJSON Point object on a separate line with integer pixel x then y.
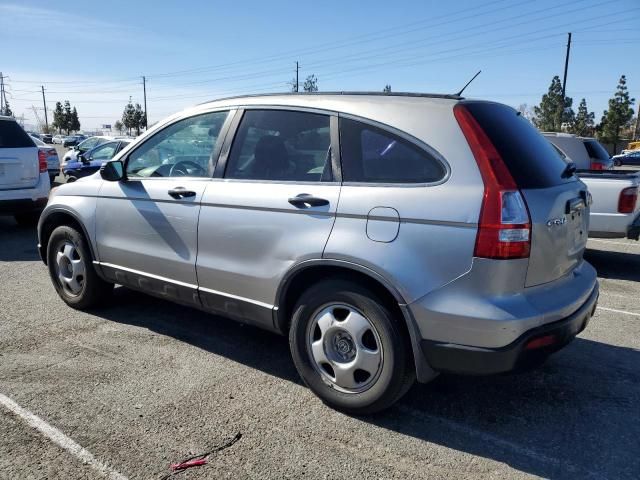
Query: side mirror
{"type": "Point", "coordinates": [82, 158]}
{"type": "Point", "coordinates": [112, 171]}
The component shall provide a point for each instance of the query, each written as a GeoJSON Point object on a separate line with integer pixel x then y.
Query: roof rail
{"type": "Point", "coordinates": [378, 94]}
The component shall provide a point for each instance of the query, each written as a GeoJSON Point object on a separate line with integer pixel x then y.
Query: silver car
{"type": "Point", "coordinates": [391, 237]}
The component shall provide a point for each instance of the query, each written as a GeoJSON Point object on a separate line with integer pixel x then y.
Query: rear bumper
{"type": "Point", "coordinates": [447, 357]}
{"type": "Point", "coordinates": [11, 207]}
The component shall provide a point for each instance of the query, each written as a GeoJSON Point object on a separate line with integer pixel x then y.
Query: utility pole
{"type": "Point", "coordinates": [297, 85]}
{"type": "Point", "coordinates": [44, 102]}
{"type": "Point", "coordinates": [566, 67]}
{"type": "Point", "coordinates": [144, 91]}
{"type": "Point", "coordinates": [1, 94]}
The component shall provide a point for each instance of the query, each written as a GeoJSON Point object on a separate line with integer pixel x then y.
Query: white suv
{"type": "Point", "coordinates": [24, 180]}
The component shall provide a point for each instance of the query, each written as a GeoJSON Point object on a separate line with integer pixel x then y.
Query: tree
{"type": "Point", "coordinates": [58, 117]}
{"type": "Point", "coordinates": [387, 88]}
{"type": "Point", "coordinates": [74, 121]}
{"type": "Point", "coordinates": [139, 118]}
{"type": "Point", "coordinates": [310, 84]}
{"type": "Point", "coordinates": [526, 112]}
{"type": "Point", "coordinates": [67, 115]}
{"type": "Point", "coordinates": [553, 111]}
{"type": "Point", "coordinates": [128, 116]}
{"type": "Point", "coordinates": [618, 115]}
{"type": "Point", "coordinates": [584, 120]}
{"type": "Point", "coordinates": [119, 127]}
{"type": "Point", "coordinates": [6, 110]}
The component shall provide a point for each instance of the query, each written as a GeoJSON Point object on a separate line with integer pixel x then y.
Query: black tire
{"type": "Point", "coordinates": [94, 291]}
{"type": "Point", "coordinates": [397, 373]}
{"type": "Point", "coordinates": [71, 179]}
{"type": "Point", "coordinates": [28, 219]}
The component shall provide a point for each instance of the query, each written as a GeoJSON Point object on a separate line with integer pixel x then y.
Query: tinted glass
{"type": "Point", "coordinates": [596, 150]}
{"type": "Point", "coordinates": [181, 149]}
{"type": "Point", "coordinates": [104, 152]}
{"type": "Point", "coordinates": [281, 145]}
{"type": "Point", "coordinates": [13, 136]}
{"type": "Point", "coordinates": [373, 155]}
{"type": "Point", "coordinates": [530, 158]}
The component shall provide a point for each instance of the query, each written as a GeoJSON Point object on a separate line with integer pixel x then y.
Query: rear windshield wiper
{"type": "Point", "coordinates": [569, 170]}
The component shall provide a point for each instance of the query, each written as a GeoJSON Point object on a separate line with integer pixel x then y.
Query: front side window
{"type": "Point", "coordinates": [373, 155]}
{"type": "Point", "coordinates": [182, 149]}
{"type": "Point", "coordinates": [280, 145]}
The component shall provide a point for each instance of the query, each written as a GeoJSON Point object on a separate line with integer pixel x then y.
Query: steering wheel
{"type": "Point", "coordinates": [182, 169]}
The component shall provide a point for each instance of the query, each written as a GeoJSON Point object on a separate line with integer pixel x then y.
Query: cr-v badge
{"type": "Point", "coordinates": [556, 221]}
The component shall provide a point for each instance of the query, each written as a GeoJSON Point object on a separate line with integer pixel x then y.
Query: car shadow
{"type": "Point", "coordinates": [614, 265]}
{"type": "Point", "coordinates": [562, 420]}
{"type": "Point", "coordinates": [17, 244]}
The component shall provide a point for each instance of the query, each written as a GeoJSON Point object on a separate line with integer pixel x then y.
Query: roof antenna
{"type": "Point", "coordinates": [463, 88]}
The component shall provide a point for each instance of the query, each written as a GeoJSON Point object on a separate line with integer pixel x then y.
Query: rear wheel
{"type": "Point", "coordinates": [349, 349]}
{"type": "Point", "coordinates": [71, 269]}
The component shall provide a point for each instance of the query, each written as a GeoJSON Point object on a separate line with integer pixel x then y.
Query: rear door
{"type": "Point", "coordinates": [556, 201]}
{"type": "Point", "coordinates": [19, 166]}
{"type": "Point", "coordinates": [273, 207]}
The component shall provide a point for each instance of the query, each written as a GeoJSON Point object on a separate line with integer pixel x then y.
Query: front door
{"type": "Point", "coordinates": [146, 225]}
{"type": "Point", "coordinates": [274, 207]}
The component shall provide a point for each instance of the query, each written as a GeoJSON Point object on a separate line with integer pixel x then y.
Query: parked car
{"type": "Point", "coordinates": [51, 156]}
{"type": "Point", "coordinates": [34, 135]}
{"type": "Point", "coordinates": [58, 139]}
{"type": "Point", "coordinates": [90, 162]}
{"type": "Point", "coordinates": [456, 246]}
{"type": "Point", "coordinates": [586, 152]}
{"type": "Point", "coordinates": [632, 157]}
{"type": "Point", "coordinates": [615, 211]}
{"type": "Point", "coordinates": [24, 181]}
{"type": "Point", "coordinates": [84, 146]}
{"type": "Point", "coordinates": [47, 138]}
{"type": "Point", "coordinates": [73, 140]}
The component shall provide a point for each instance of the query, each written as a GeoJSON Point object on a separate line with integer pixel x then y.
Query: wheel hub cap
{"type": "Point", "coordinates": [345, 348]}
{"type": "Point", "coordinates": [70, 268]}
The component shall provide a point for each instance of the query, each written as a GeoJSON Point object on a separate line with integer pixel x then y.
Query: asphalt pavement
{"type": "Point", "coordinates": [144, 383]}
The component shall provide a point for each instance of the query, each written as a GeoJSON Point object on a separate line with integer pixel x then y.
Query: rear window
{"type": "Point", "coordinates": [595, 150]}
{"type": "Point", "coordinates": [530, 158]}
{"type": "Point", "coordinates": [13, 136]}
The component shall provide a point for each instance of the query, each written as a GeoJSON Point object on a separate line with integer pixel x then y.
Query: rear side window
{"type": "Point", "coordinates": [279, 145]}
{"type": "Point", "coordinates": [595, 150]}
{"type": "Point", "coordinates": [530, 158]}
{"type": "Point", "coordinates": [13, 136]}
{"type": "Point", "coordinates": [373, 155]}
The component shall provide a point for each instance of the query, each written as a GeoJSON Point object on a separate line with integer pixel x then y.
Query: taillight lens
{"type": "Point", "coordinates": [504, 227]}
{"type": "Point", "coordinates": [627, 200]}
{"type": "Point", "coordinates": [597, 166]}
{"type": "Point", "coordinates": [42, 161]}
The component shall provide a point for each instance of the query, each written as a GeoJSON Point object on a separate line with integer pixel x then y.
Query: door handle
{"type": "Point", "coordinates": [304, 200]}
{"type": "Point", "coordinates": [181, 192]}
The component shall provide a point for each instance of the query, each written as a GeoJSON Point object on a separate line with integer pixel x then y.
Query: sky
{"type": "Point", "coordinates": [95, 53]}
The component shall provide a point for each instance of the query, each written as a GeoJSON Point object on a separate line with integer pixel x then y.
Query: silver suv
{"type": "Point", "coordinates": [391, 237]}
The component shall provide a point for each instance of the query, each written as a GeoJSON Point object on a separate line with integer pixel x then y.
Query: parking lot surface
{"type": "Point", "coordinates": [143, 383]}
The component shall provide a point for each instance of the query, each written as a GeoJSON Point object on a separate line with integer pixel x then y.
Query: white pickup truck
{"type": "Point", "coordinates": [615, 211]}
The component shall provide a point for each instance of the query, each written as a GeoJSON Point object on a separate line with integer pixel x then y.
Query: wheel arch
{"type": "Point", "coordinates": [54, 218]}
{"type": "Point", "coordinates": [305, 273]}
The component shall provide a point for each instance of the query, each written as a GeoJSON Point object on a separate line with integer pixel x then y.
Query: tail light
{"type": "Point", "coordinates": [597, 166]}
{"type": "Point", "coordinates": [42, 161]}
{"type": "Point", "coordinates": [504, 227]}
{"type": "Point", "coordinates": [627, 200]}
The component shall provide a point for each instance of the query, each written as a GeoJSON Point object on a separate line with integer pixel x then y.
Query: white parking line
{"type": "Point", "coordinates": [618, 311]}
{"type": "Point", "coordinates": [60, 439]}
{"type": "Point", "coordinates": [498, 441]}
{"type": "Point", "coordinates": [635, 244]}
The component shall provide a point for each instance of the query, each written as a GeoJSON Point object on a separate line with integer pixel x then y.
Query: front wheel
{"type": "Point", "coordinates": [349, 349]}
{"type": "Point", "coordinates": [71, 270]}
